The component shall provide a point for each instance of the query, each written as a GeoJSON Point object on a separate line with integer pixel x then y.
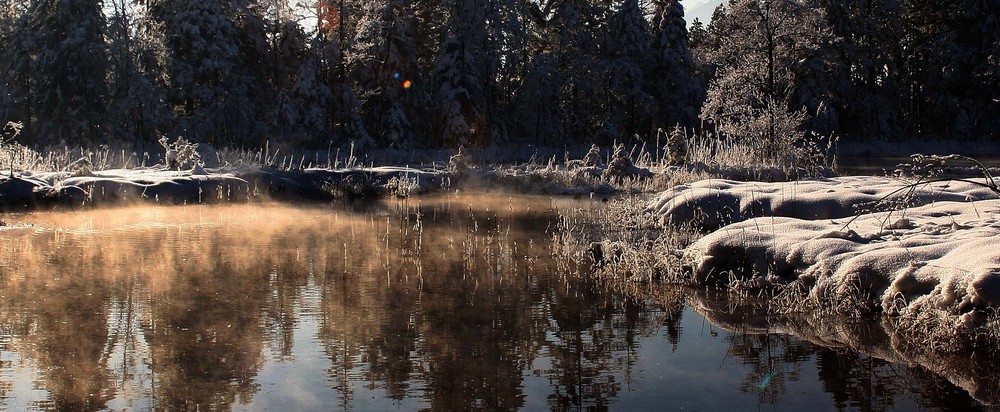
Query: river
{"type": "Point", "coordinates": [451, 302]}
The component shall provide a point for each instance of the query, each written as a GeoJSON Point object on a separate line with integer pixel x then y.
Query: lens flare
{"type": "Point", "coordinates": [766, 381]}
{"type": "Point", "coordinates": [407, 84]}
{"type": "Point", "coordinates": [395, 76]}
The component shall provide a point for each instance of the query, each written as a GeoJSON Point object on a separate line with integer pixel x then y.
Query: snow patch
{"type": "Point", "coordinates": [713, 203]}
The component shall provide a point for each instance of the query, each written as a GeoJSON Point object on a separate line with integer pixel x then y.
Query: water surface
{"type": "Point", "coordinates": [444, 303]}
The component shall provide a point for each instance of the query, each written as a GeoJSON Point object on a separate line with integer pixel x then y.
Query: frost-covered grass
{"type": "Point", "coordinates": [756, 160]}
{"type": "Point", "coordinates": [623, 244]}
{"type": "Point", "coordinates": [603, 172]}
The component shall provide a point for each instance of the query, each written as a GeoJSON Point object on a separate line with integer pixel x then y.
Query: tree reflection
{"type": "Point", "coordinates": [206, 339]}
{"type": "Point", "coordinates": [857, 381]}
{"type": "Point", "coordinates": [435, 303]}
{"type": "Point", "coordinates": [62, 323]}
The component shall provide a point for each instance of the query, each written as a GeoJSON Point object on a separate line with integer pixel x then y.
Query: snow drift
{"type": "Point", "coordinates": [934, 265]}
{"type": "Point", "coordinates": [716, 202]}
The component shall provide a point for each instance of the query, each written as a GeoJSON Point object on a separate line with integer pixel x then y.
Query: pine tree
{"type": "Point", "coordinates": [334, 101]}
{"type": "Point", "coordinates": [950, 52]}
{"type": "Point", "coordinates": [69, 70]}
{"type": "Point", "coordinates": [981, 24]}
{"type": "Point", "coordinates": [865, 77]}
{"type": "Point", "coordinates": [507, 54]}
{"type": "Point", "coordinates": [136, 110]}
{"type": "Point", "coordinates": [15, 67]}
{"type": "Point", "coordinates": [627, 48]}
{"type": "Point", "coordinates": [670, 72]}
{"type": "Point", "coordinates": [210, 85]}
{"type": "Point", "coordinates": [459, 77]}
{"type": "Point", "coordinates": [281, 60]}
{"type": "Point", "coordinates": [385, 66]}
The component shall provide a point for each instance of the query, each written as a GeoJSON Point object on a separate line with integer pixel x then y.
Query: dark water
{"type": "Point", "coordinates": [451, 303]}
{"type": "Point", "coordinates": [879, 165]}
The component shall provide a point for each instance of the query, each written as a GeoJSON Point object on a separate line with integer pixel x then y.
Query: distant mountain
{"type": "Point", "coordinates": [702, 9]}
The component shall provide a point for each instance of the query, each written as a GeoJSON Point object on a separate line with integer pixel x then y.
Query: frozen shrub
{"type": "Point", "coordinates": [593, 157]}
{"type": "Point", "coordinates": [676, 147]}
{"type": "Point", "coordinates": [620, 163]}
{"type": "Point", "coordinates": [16, 155]}
{"type": "Point", "coordinates": [402, 186]}
{"type": "Point", "coordinates": [181, 153]}
{"type": "Point", "coordinates": [81, 167]}
{"type": "Point", "coordinates": [460, 165]}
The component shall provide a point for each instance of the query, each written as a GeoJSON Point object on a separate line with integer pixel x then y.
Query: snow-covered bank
{"type": "Point", "coordinates": [716, 202]}
{"type": "Point", "coordinates": [933, 266]}
{"type": "Point", "coordinates": [939, 257]}
{"type": "Point", "coordinates": [27, 190]}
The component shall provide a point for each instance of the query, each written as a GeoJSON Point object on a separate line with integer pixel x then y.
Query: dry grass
{"type": "Point", "coordinates": [623, 244]}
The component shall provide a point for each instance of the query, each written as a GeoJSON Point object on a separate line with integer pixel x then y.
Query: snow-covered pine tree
{"type": "Point", "coordinates": [210, 87]}
{"type": "Point", "coordinates": [253, 84]}
{"type": "Point", "coordinates": [69, 70]}
{"type": "Point", "coordinates": [627, 47]}
{"type": "Point", "coordinates": [951, 55]}
{"type": "Point", "coordinates": [565, 91]}
{"type": "Point", "coordinates": [136, 110]}
{"type": "Point", "coordinates": [384, 67]}
{"type": "Point", "coordinates": [670, 73]}
{"type": "Point", "coordinates": [575, 29]}
{"type": "Point", "coordinates": [334, 102]}
{"type": "Point", "coordinates": [287, 50]}
{"type": "Point", "coordinates": [536, 109]}
{"type": "Point", "coordinates": [507, 54]}
{"type": "Point", "coordinates": [312, 98]}
{"type": "Point", "coordinates": [15, 67]}
{"type": "Point", "coordinates": [981, 21]}
{"type": "Point", "coordinates": [706, 42]}
{"type": "Point", "coordinates": [866, 71]}
{"type": "Point", "coordinates": [459, 76]}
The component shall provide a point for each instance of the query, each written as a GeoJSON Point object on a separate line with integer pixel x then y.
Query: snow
{"type": "Point", "coordinates": [945, 255]}
{"type": "Point", "coordinates": [201, 185]}
{"type": "Point", "coordinates": [716, 202]}
{"type": "Point", "coordinates": [811, 244]}
{"type": "Point", "coordinates": [820, 262]}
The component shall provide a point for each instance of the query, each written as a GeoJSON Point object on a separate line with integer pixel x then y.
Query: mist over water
{"type": "Point", "coordinates": [445, 303]}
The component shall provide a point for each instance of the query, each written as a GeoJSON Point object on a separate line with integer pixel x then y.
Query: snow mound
{"type": "Point", "coordinates": [712, 203]}
{"type": "Point", "coordinates": [940, 261]}
{"type": "Point", "coordinates": [933, 267]}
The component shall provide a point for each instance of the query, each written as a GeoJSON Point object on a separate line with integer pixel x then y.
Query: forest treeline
{"type": "Point", "coordinates": [443, 73]}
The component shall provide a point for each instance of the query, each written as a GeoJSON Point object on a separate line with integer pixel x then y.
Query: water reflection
{"type": "Point", "coordinates": [862, 364]}
{"type": "Point", "coordinates": [448, 303]}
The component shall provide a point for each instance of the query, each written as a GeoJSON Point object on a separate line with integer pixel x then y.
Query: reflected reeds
{"type": "Point", "coordinates": [446, 300]}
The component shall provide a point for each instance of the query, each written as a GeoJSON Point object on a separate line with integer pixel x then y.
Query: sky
{"type": "Point", "coordinates": [702, 9]}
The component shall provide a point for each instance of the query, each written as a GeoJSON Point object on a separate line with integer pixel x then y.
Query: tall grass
{"type": "Point", "coordinates": [547, 171]}
{"type": "Point", "coordinates": [623, 244]}
{"type": "Point", "coordinates": [811, 156]}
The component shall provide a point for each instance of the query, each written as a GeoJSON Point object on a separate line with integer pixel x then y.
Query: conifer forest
{"type": "Point", "coordinates": [413, 74]}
